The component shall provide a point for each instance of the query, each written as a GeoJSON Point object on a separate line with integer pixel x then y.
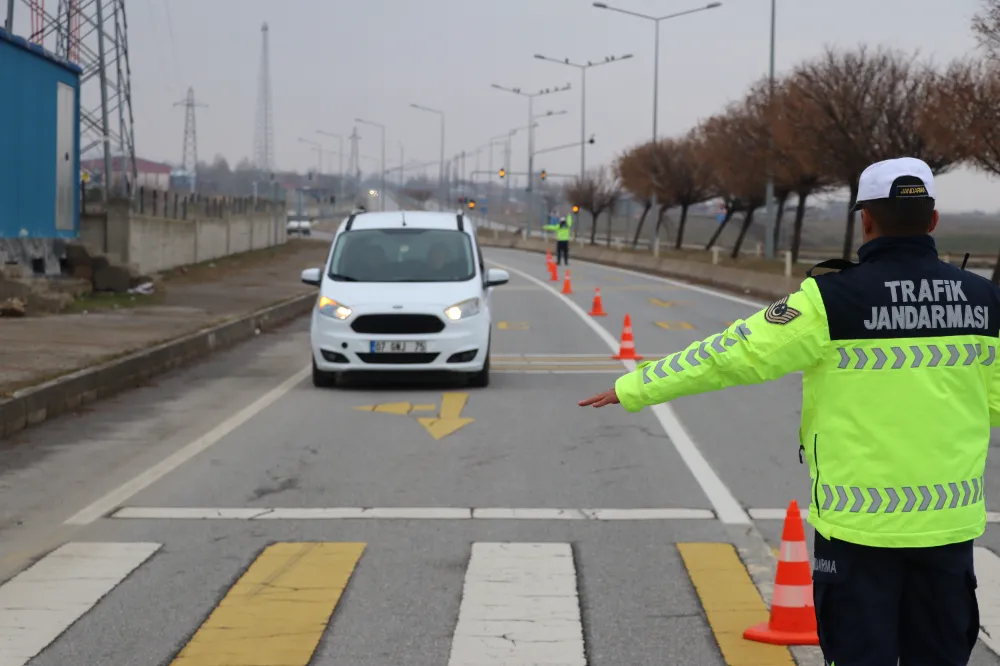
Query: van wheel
{"type": "Point", "coordinates": [323, 379]}
{"type": "Point", "coordinates": [481, 379]}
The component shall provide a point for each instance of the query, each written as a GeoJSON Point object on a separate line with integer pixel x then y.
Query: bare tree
{"type": "Point", "coordinates": [611, 194]}
{"type": "Point", "coordinates": [732, 147]}
{"type": "Point", "coordinates": [635, 169]}
{"type": "Point", "coordinates": [986, 28]}
{"type": "Point", "coordinates": [969, 95]}
{"type": "Point", "coordinates": [853, 108]}
{"type": "Point", "coordinates": [687, 175]}
{"type": "Point", "coordinates": [592, 195]}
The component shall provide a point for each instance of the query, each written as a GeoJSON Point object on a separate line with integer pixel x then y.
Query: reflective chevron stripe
{"type": "Point", "coordinates": [925, 356]}
{"type": "Point", "coordinates": [720, 344]}
{"type": "Point", "coordinates": [936, 497]}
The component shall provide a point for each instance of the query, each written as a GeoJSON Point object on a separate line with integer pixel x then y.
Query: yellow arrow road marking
{"type": "Point", "coordinates": [449, 419]}
{"type": "Point", "coordinates": [401, 408]}
{"type": "Point", "coordinates": [513, 325]}
{"type": "Point", "coordinates": [675, 325]}
{"type": "Point", "coordinates": [664, 304]}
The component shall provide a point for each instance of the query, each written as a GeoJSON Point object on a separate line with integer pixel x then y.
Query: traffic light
{"type": "Point", "coordinates": [472, 204]}
{"type": "Point", "coordinates": [503, 172]}
{"type": "Point", "coordinates": [576, 209]}
{"type": "Point", "coordinates": [543, 174]}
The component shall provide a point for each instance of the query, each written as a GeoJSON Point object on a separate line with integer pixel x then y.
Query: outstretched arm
{"type": "Point", "coordinates": [787, 336]}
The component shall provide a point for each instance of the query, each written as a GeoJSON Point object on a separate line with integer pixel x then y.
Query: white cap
{"type": "Point", "coordinates": [901, 178]}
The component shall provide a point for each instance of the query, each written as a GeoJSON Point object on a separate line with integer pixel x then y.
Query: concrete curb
{"type": "Point", "coordinates": [737, 281]}
{"type": "Point", "coordinates": [34, 405]}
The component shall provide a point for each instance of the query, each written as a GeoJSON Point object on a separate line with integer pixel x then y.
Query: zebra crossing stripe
{"type": "Point", "coordinates": [41, 602]}
{"type": "Point", "coordinates": [281, 606]}
{"type": "Point", "coordinates": [519, 606]}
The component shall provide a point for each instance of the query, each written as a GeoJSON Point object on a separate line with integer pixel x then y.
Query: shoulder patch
{"type": "Point", "coordinates": [780, 313]}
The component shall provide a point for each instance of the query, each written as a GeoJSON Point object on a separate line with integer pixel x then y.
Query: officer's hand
{"type": "Point", "coordinates": [601, 399]}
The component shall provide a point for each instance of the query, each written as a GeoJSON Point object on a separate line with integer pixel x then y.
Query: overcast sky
{"type": "Point", "coordinates": [336, 60]}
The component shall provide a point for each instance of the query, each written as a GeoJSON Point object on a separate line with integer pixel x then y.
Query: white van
{"type": "Point", "coordinates": [403, 291]}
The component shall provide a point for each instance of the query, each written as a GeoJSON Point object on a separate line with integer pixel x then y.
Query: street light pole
{"type": "Point", "coordinates": [769, 221]}
{"type": "Point", "coordinates": [340, 140]}
{"type": "Point", "coordinates": [381, 194]}
{"type": "Point", "coordinates": [318, 147]}
{"type": "Point", "coordinates": [442, 167]}
{"type": "Point", "coordinates": [531, 128]}
{"type": "Point", "coordinates": [583, 93]}
{"type": "Point", "coordinates": [656, 57]}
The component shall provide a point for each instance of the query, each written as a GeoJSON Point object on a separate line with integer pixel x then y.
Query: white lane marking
{"type": "Point", "coordinates": [774, 514]}
{"type": "Point", "coordinates": [725, 504]}
{"type": "Point", "coordinates": [988, 578]}
{"type": "Point", "coordinates": [406, 513]}
{"type": "Point", "coordinates": [40, 603]}
{"type": "Point", "coordinates": [519, 606]}
{"type": "Point", "coordinates": [122, 493]}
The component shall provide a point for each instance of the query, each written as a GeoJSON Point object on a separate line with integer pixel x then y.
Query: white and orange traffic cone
{"type": "Point", "coordinates": [626, 351]}
{"type": "Point", "coordinates": [553, 273]}
{"type": "Point", "coordinates": [793, 615]}
{"type": "Point", "coordinates": [597, 309]}
{"type": "Point", "coordinates": [567, 285]}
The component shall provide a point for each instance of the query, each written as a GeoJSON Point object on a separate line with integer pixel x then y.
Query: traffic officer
{"type": "Point", "coordinates": [562, 230]}
{"type": "Point", "coordinates": [900, 390]}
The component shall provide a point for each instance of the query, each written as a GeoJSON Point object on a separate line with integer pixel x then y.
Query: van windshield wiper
{"type": "Point", "coordinates": [344, 278]}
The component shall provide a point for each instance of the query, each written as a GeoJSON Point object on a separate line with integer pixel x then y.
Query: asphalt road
{"type": "Point", "coordinates": [233, 514]}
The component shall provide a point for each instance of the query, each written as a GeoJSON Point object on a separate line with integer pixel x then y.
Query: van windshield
{"type": "Point", "coordinates": [403, 255]}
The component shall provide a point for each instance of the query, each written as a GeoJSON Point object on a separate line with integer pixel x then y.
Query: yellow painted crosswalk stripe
{"type": "Point", "coordinates": [731, 602]}
{"type": "Point", "coordinates": [277, 611]}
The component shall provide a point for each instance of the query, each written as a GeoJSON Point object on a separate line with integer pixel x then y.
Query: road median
{"type": "Point", "coordinates": [51, 365]}
{"type": "Point", "coordinates": [36, 404]}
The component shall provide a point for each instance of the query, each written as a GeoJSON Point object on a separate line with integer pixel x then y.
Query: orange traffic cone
{"type": "Point", "coordinates": [597, 309]}
{"type": "Point", "coordinates": [567, 286]}
{"type": "Point", "coordinates": [553, 273]}
{"type": "Point", "coordinates": [626, 351]}
{"type": "Point", "coordinates": [793, 616]}
{"type": "Point", "coordinates": [548, 257]}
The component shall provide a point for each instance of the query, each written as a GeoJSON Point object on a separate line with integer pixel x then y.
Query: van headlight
{"type": "Point", "coordinates": [462, 310]}
{"type": "Point", "coordinates": [331, 308]}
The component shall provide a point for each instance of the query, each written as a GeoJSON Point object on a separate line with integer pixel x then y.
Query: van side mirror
{"type": "Point", "coordinates": [312, 276]}
{"type": "Point", "coordinates": [496, 277]}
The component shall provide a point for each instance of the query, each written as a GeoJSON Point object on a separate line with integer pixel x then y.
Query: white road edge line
{"type": "Point", "coordinates": [122, 493]}
{"type": "Point", "coordinates": [43, 601]}
{"type": "Point", "coordinates": [726, 506]}
{"type": "Point", "coordinates": [520, 605]}
{"type": "Point", "coordinates": [405, 513]}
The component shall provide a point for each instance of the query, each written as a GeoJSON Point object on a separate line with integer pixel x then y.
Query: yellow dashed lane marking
{"type": "Point", "coordinates": [731, 602]}
{"type": "Point", "coordinates": [277, 611]}
{"type": "Point", "coordinates": [674, 325]}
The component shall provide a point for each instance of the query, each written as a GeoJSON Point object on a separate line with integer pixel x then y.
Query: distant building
{"type": "Point", "coordinates": [150, 175]}
{"type": "Point", "coordinates": [39, 140]}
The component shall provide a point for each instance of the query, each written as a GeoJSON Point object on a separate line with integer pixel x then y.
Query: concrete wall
{"type": "Point", "coordinates": [156, 244]}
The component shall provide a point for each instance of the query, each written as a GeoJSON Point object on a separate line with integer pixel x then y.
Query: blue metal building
{"type": "Point", "coordinates": [39, 152]}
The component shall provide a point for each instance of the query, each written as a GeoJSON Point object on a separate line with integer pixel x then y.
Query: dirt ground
{"type": "Point", "coordinates": [100, 327]}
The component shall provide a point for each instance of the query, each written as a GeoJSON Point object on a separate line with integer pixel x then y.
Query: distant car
{"type": "Point", "coordinates": [299, 224]}
{"type": "Point", "coordinates": [403, 291]}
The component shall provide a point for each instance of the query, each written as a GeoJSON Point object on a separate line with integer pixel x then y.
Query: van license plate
{"type": "Point", "coordinates": [398, 347]}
